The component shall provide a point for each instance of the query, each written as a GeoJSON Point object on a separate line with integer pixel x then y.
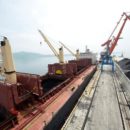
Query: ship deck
{"type": "Point", "coordinates": [49, 110]}
{"type": "Point", "coordinates": [104, 105]}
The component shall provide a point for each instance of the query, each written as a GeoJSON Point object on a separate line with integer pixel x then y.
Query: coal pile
{"type": "Point", "coordinates": [125, 65]}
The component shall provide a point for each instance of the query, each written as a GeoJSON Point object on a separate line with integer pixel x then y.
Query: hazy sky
{"type": "Point", "coordinates": [76, 23]}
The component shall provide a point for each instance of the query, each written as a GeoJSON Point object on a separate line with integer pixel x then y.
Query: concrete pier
{"type": "Point", "coordinates": [102, 106]}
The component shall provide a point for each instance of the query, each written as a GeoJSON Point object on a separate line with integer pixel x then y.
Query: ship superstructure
{"type": "Point", "coordinates": [89, 54]}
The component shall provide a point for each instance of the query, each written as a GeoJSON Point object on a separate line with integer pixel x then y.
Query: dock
{"type": "Point", "coordinates": [104, 104]}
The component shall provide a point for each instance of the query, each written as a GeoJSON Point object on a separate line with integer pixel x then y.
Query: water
{"type": "Point", "coordinates": [35, 64]}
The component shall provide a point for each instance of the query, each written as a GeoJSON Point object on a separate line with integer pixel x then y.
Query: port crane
{"type": "Point", "coordinates": [75, 55]}
{"type": "Point", "coordinates": [112, 42]}
{"type": "Point", "coordinates": [59, 55]}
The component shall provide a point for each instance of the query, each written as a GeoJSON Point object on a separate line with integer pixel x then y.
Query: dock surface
{"type": "Point", "coordinates": [102, 106]}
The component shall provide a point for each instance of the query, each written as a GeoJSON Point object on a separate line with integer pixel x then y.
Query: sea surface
{"type": "Point", "coordinates": [35, 64]}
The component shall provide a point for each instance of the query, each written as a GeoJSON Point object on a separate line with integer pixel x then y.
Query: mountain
{"type": "Point", "coordinates": [31, 56]}
{"type": "Point", "coordinates": [27, 55]}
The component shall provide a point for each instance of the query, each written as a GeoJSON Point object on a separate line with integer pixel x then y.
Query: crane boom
{"type": "Point", "coordinates": [111, 44]}
{"type": "Point", "coordinates": [59, 55]}
{"type": "Point", "coordinates": [114, 43]}
{"type": "Point", "coordinates": [75, 55]}
{"type": "Point", "coordinates": [48, 42]}
{"type": "Point", "coordinates": [116, 25]}
{"type": "Point", "coordinates": [67, 48]}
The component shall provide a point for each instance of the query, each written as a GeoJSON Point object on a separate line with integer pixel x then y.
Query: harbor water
{"type": "Point", "coordinates": [35, 64]}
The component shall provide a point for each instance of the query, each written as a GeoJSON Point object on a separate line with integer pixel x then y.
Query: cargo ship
{"type": "Point", "coordinates": [30, 101]}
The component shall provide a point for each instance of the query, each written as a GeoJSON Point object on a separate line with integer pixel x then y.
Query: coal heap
{"type": "Point", "coordinates": [125, 65]}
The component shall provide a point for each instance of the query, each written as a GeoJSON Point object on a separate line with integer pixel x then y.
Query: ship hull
{"type": "Point", "coordinates": [60, 117]}
{"type": "Point", "coordinates": [47, 99]}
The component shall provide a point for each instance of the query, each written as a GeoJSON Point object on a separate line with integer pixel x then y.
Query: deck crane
{"type": "Point", "coordinates": [8, 67]}
{"type": "Point", "coordinates": [75, 55]}
{"type": "Point", "coordinates": [59, 70]}
{"type": "Point", "coordinates": [112, 42]}
{"type": "Point", "coordinates": [59, 55]}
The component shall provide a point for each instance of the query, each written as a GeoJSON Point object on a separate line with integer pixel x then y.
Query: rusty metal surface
{"type": "Point", "coordinates": [62, 69]}
{"type": "Point", "coordinates": [30, 82]}
{"type": "Point", "coordinates": [11, 94]}
{"type": "Point", "coordinates": [29, 85]}
{"type": "Point", "coordinates": [43, 113]}
{"type": "Point", "coordinates": [6, 97]}
{"type": "Point", "coordinates": [81, 63]}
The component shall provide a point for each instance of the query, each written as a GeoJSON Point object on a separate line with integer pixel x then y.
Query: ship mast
{"type": "Point", "coordinates": [8, 65]}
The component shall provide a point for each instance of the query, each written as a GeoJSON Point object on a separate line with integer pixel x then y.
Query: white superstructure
{"type": "Point", "coordinates": [89, 54]}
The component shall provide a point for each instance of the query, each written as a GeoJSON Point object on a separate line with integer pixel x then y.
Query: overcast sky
{"type": "Point", "coordinates": [76, 23]}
